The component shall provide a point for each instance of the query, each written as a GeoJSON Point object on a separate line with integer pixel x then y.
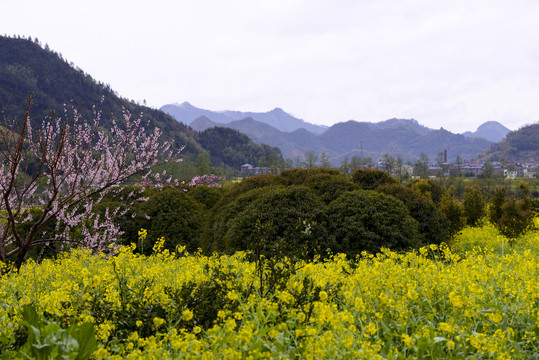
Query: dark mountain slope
{"type": "Point", "coordinates": [518, 146]}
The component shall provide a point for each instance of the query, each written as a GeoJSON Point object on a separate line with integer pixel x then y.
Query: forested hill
{"type": "Point", "coordinates": [518, 146]}
{"type": "Point", "coordinates": [27, 67]}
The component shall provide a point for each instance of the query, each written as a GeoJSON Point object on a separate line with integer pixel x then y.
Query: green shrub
{"type": "Point", "coordinates": [517, 217]}
{"type": "Point", "coordinates": [365, 220]}
{"type": "Point", "coordinates": [271, 220]}
{"type": "Point", "coordinates": [474, 205]}
{"type": "Point", "coordinates": [248, 184]}
{"type": "Point", "coordinates": [224, 211]}
{"type": "Point", "coordinates": [498, 199]}
{"type": "Point", "coordinates": [299, 176]}
{"type": "Point", "coordinates": [173, 215]}
{"type": "Point", "coordinates": [432, 223]}
{"type": "Point", "coordinates": [327, 183]}
{"type": "Point", "coordinates": [370, 179]}
{"type": "Point", "coordinates": [453, 211]}
{"type": "Point", "coordinates": [429, 188]}
{"type": "Point", "coordinates": [207, 196]}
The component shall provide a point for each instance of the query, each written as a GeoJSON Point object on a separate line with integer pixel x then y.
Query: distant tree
{"type": "Point", "coordinates": [288, 163]}
{"type": "Point", "coordinates": [311, 159]}
{"type": "Point", "coordinates": [497, 201]}
{"type": "Point", "coordinates": [400, 172]}
{"type": "Point", "coordinates": [488, 170]}
{"type": "Point", "coordinates": [203, 164]}
{"type": "Point", "coordinates": [324, 160]}
{"type": "Point", "coordinates": [355, 163]}
{"type": "Point", "coordinates": [421, 167]}
{"type": "Point", "coordinates": [389, 163]}
{"type": "Point", "coordinates": [345, 166]}
{"type": "Point", "coordinates": [459, 162]}
{"type": "Point", "coordinates": [440, 158]}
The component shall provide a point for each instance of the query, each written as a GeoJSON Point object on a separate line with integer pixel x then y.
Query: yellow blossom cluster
{"type": "Point", "coordinates": [476, 298]}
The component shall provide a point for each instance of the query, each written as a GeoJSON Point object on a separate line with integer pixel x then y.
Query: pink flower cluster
{"type": "Point", "coordinates": [78, 164]}
{"type": "Point", "coordinates": [206, 180]}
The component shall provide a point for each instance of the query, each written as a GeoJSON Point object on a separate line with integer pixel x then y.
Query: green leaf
{"type": "Point", "coordinates": [84, 334]}
{"type": "Point", "coordinates": [30, 316]}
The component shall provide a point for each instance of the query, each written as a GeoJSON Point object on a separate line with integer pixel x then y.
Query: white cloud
{"type": "Point", "coordinates": [454, 64]}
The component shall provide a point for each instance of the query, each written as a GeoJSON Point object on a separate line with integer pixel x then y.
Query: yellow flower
{"type": "Point", "coordinates": [446, 327]}
{"type": "Point", "coordinates": [495, 317]}
{"type": "Point", "coordinates": [450, 344]}
{"type": "Point", "coordinates": [157, 322]}
{"type": "Point", "coordinates": [323, 296]}
{"type": "Point", "coordinates": [221, 314]}
{"type": "Point", "coordinates": [139, 323]}
{"type": "Point", "coordinates": [197, 329]}
{"type": "Point", "coordinates": [232, 296]}
{"type": "Point", "coordinates": [407, 340]}
{"type": "Point", "coordinates": [371, 329]}
{"type": "Point", "coordinates": [187, 315]}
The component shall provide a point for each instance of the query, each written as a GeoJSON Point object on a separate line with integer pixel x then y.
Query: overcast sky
{"type": "Point", "coordinates": [452, 64]}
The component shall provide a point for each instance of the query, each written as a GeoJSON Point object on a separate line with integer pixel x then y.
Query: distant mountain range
{"type": "Point", "coordinates": [26, 67]}
{"type": "Point", "coordinates": [397, 137]}
{"type": "Point", "coordinates": [278, 118]}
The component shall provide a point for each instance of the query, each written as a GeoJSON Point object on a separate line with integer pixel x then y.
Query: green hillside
{"type": "Point", "coordinates": [521, 146]}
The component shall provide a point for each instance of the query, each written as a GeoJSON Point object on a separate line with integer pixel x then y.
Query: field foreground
{"type": "Point", "coordinates": [478, 300]}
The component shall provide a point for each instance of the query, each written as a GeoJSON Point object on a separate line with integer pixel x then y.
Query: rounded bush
{"type": "Point", "coordinates": [248, 184]}
{"type": "Point", "coordinates": [453, 211]}
{"type": "Point", "coordinates": [365, 220]}
{"type": "Point", "coordinates": [430, 189]}
{"type": "Point", "coordinates": [299, 176]}
{"type": "Point", "coordinates": [327, 183]}
{"type": "Point", "coordinates": [370, 179]}
{"type": "Point", "coordinates": [174, 215]}
{"type": "Point", "coordinates": [273, 221]}
{"type": "Point", "coordinates": [432, 223]}
{"type": "Point", "coordinates": [207, 196]}
{"type": "Point", "coordinates": [474, 205]}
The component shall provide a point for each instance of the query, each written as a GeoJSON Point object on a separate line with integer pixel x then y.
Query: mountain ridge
{"type": "Point", "coordinates": [490, 130]}
{"type": "Point", "coordinates": [278, 118]}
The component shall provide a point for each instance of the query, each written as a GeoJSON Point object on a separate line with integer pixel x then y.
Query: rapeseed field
{"type": "Point", "coordinates": [476, 298]}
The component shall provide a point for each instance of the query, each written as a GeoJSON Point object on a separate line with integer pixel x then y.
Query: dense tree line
{"type": "Point", "coordinates": [302, 213]}
{"type": "Point", "coordinates": [307, 212]}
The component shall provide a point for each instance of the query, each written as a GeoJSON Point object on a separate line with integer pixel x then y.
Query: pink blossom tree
{"type": "Point", "coordinates": [64, 169]}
